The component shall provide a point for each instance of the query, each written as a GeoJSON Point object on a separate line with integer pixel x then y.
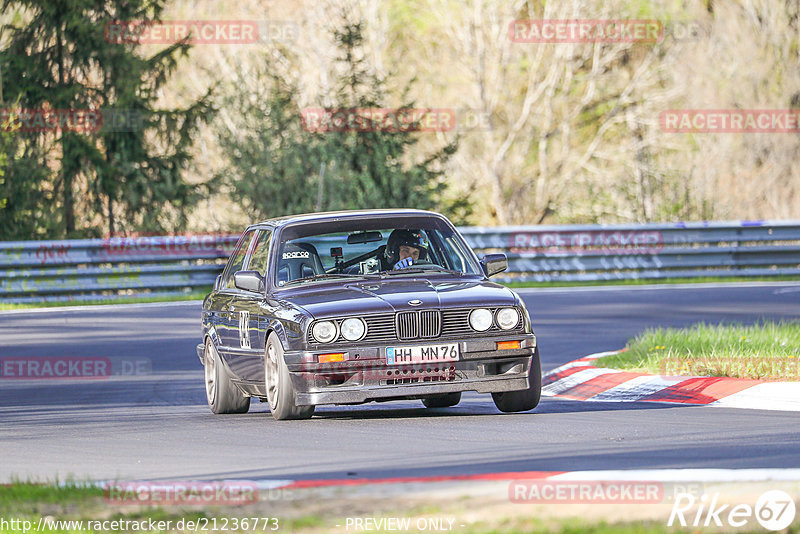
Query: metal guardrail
{"type": "Point", "coordinates": [100, 269]}
{"type": "Point", "coordinates": [645, 251]}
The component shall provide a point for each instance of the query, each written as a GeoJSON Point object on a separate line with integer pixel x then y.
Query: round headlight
{"type": "Point", "coordinates": [507, 318]}
{"type": "Point", "coordinates": [353, 329]}
{"type": "Point", "coordinates": [480, 319]}
{"type": "Point", "coordinates": [324, 331]}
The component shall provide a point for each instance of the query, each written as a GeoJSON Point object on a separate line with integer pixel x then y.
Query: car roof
{"type": "Point", "coordinates": [339, 215]}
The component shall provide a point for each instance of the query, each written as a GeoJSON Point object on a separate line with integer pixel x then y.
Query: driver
{"type": "Point", "coordinates": [404, 248]}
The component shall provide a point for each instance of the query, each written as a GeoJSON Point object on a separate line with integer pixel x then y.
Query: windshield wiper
{"type": "Point", "coordinates": [327, 276]}
{"type": "Point", "coordinates": [422, 269]}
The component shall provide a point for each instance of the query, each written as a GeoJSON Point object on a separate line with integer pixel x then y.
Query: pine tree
{"type": "Point", "coordinates": [273, 162]}
{"type": "Point", "coordinates": [278, 165]}
{"type": "Point", "coordinates": [371, 166]}
{"type": "Point", "coordinates": [113, 177]}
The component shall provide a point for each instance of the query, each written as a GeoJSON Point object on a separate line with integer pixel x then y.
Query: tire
{"type": "Point", "coordinates": [442, 401]}
{"type": "Point", "coordinates": [221, 393]}
{"type": "Point", "coordinates": [280, 392]}
{"type": "Point", "coordinates": [526, 399]}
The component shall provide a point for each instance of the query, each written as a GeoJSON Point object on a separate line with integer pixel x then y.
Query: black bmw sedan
{"type": "Point", "coordinates": [359, 306]}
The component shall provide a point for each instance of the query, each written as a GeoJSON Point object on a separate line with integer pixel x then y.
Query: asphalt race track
{"type": "Point", "coordinates": [156, 425]}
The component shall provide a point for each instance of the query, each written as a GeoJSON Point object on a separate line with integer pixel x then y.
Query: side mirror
{"type": "Point", "coordinates": [249, 281]}
{"type": "Point", "coordinates": [494, 263]}
{"type": "Point", "coordinates": [217, 282]}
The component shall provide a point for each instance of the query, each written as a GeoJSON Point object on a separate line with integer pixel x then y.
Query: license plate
{"type": "Point", "coordinates": [422, 354]}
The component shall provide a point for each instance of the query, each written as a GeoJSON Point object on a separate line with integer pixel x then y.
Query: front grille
{"type": "Point", "coordinates": [407, 325]}
{"type": "Point", "coordinates": [430, 323]}
{"type": "Point", "coordinates": [456, 323]}
{"type": "Point", "coordinates": [424, 324]}
{"type": "Point", "coordinates": [419, 324]}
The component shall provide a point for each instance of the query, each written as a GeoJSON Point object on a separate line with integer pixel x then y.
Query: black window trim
{"type": "Point", "coordinates": [226, 272]}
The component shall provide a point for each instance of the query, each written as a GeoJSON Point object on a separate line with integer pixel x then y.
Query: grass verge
{"type": "Point", "coordinates": [73, 508]}
{"type": "Point", "coordinates": [767, 350]}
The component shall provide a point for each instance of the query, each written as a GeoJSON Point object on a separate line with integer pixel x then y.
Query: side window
{"type": "Point", "coordinates": [259, 261]}
{"type": "Point", "coordinates": [237, 260]}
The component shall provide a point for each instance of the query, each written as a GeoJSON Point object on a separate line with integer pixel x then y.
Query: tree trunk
{"type": "Point", "coordinates": [66, 170]}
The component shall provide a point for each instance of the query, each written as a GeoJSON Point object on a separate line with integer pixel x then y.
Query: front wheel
{"type": "Point", "coordinates": [280, 392]}
{"type": "Point", "coordinates": [222, 395]}
{"type": "Point", "coordinates": [526, 399]}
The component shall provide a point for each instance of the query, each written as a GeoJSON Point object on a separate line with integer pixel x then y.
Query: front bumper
{"type": "Point", "coordinates": [365, 375]}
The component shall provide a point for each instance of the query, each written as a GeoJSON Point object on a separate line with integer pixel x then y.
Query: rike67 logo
{"type": "Point", "coordinates": [774, 510]}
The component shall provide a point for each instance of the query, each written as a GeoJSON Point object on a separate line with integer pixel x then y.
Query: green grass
{"type": "Point", "coordinates": [194, 295]}
{"type": "Point", "coordinates": [74, 501]}
{"type": "Point", "coordinates": [767, 350]}
{"type": "Point", "coordinates": [18, 495]}
{"type": "Point", "coordinates": [645, 281]}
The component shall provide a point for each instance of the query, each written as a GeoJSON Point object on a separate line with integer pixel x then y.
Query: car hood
{"type": "Point", "coordinates": [382, 296]}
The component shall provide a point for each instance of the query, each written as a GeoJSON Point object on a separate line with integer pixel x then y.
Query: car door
{"type": "Point", "coordinates": [247, 307]}
{"type": "Point", "coordinates": [227, 324]}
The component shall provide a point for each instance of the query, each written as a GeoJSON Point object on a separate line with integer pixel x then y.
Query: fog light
{"type": "Point", "coordinates": [508, 345]}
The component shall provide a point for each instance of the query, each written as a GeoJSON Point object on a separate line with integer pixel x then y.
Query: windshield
{"type": "Point", "coordinates": [371, 248]}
